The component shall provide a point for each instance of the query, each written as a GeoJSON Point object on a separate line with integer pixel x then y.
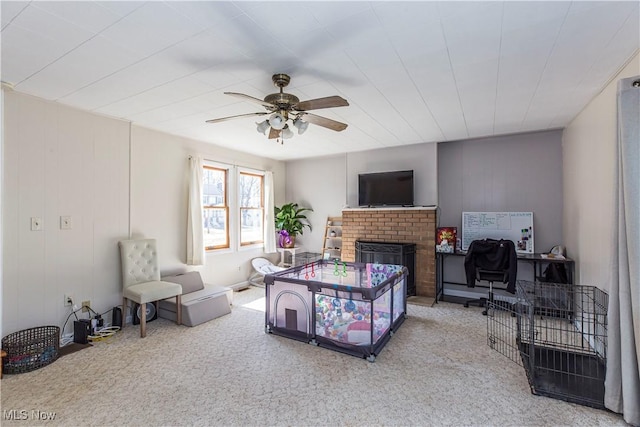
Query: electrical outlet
{"type": "Point", "coordinates": [65, 222]}
{"type": "Point", "coordinates": [85, 306]}
{"type": "Point", "coordinates": [68, 300]}
{"type": "Point", "coordinates": [36, 223]}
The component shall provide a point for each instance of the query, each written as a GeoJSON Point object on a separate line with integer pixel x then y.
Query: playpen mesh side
{"type": "Point", "coordinates": [558, 333]}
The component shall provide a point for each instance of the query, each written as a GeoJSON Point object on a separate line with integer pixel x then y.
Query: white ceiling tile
{"type": "Point", "coordinates": [206, 50]}
{"type": "Point", "coordinates": [25, 53]}
{"type": "Point", "coordinates": [411, 71]}
{"type": "Point", "coordinates": [526, 14]}
{"type": "Point", "coordinates": [199, 106]}
{"type": "Point", "coordinates": [532, 39]}
{"type": "Point", "coordinates": [328, 13]}
{"type": "Point", "coordinates": [33, 40]}
{"type": "Point", "coordinates": [216, 78]}
{"type": "Point", "coordinates": [283, 22]}
{"type": "Point", "coordinates": [411, 42]}
{"type": "Point", "coordinates": [64, 33]}
{"type": "Point", "coordinates": [150, 28]}
{"type": "Point", "coordinates": [376, 52]}
{"type": "Point", "coordinates": [206, 14]}
{"type": "Point", "coordinates": [357, 30]}
{"type": "Point", "coordinates": [621, 47]}
{"type": "Point", "coordinates": [476, 76]}
{"type": "Point", "coordinates": [161, 96]}
{"type": "Point", "coordinates": [10, 9]}
{"type": "Point", "coordinates": [135, 79]}
{"type": "Point", "coordinates": [461, 9]}
{"type": "Point", "coordinates": [395, 14]}
{"type": "Point", "coordinates": [87, 15]}
{"type": "Point", "coordinates": [88, 63]}
{"type": "Point", "coordinates": [601, 11]}
{"type": "Point", "coordinates": [466, 53]}
{"type": "Point", "coordinates": [309, 42]}
{"type": "Point", "coordinates": [121, 8]}
{"type": "Point", "coordinates": [447, 111]}
{"type": "Point", "coordinates": [478, 22]}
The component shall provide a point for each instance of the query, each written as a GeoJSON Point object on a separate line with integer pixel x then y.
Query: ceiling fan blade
{"type": "Point", "coordinates": [318, 103]}
{"type": "Point", "coordinates": [274, 133]}
{"type": "Point", "coordinates": [252, 99]}
{"type": "Point", "coordinates": [324, 122]}
{"type": "Point", "coordinates": [223, 119]}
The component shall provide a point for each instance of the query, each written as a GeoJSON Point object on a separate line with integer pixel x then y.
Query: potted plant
{"type": "Point", "coordinates": [290, 221]}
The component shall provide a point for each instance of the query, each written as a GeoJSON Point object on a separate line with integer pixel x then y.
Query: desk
{"type": "Point", "coordinates": [537, 260]}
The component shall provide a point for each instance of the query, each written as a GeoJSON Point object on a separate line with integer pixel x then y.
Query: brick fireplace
{"type": "Point", "coordinates": [395, 225]}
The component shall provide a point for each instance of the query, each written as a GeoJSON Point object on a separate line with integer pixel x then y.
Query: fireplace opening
{"type": "Point", "coordinates": [390, 253]}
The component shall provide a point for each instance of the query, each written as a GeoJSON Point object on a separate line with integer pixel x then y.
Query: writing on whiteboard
{"type": "Point", "coordinates": [514, 226]}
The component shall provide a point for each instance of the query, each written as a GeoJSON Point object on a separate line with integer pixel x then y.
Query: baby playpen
{"type": "Point", "coordinates": [353, 308]}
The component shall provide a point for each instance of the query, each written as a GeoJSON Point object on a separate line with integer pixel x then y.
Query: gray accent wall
{"type": "Point", "coordinates": [513, 173]}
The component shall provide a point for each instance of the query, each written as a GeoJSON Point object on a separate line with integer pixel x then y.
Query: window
{"type": "Point", "coordinates": [233, 207]}
{"type": "Point", "coordinates": [215, 208]}
{"type": "Point", "coordinates": [251, 202]}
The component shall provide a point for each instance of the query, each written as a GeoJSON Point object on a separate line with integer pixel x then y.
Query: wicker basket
{"type": "Point", "coordinates": [30, 349]}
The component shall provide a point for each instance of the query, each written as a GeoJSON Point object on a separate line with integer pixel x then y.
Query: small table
{"type": "Point", "coordinates": [292, 251]}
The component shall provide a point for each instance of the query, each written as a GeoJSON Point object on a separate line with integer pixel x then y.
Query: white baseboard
{"type": "Point", "coordinates": [240, 285]}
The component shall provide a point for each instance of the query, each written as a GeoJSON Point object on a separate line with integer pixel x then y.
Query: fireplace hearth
{"type": "Point", "coordinates": [390, 253]}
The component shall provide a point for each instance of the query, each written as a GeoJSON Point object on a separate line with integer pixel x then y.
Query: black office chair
{"type": "Point", "coordinates": [491, 261]}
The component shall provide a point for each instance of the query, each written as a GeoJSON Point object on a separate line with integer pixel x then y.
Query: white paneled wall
{"type": "Point", "coordinates": [589, 153]}
{"type": "Point", "coordinates": [59, 161]}
{"type": "Point", "coordinates": [320, 184]}
{"type": "Point", "coordinates": [159, 184]}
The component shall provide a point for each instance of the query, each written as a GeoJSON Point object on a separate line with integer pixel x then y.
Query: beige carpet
{"type": "Point", "coordinates": [436, 370]}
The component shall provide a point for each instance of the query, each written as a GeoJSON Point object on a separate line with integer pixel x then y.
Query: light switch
{"type": "Point", "coordinates": [65, 222]}
{"type": "Point", "coordinates": [36, 223]}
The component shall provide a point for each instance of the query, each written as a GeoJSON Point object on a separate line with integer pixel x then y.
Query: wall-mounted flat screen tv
{"type": "Point", "coordinates": [386, 189]}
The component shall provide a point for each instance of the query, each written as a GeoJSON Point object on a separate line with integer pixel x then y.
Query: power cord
{"type": "Point", "coordinates": [104, 333]}
{"type": "Point", "coordinates": [98, 335]}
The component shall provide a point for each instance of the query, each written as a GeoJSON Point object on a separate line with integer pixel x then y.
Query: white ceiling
{"type": "Point", "coordinates": [412, 71]}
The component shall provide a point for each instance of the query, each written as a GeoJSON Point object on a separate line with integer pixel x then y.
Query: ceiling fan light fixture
{"type": "Point", "coordinates": [262, 126]}
{"type": "Point", "coordinates": [300, 125]}
{"type": "Point", "coordinates": [286, 132]}
{"type": "Point", "coordinates": [277, 121]}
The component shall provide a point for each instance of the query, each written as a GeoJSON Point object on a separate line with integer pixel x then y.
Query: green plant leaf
{"type": "Point", "coordinates": [289, 217]}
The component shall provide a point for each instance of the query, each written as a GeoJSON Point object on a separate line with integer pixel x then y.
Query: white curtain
{"type": "Point", "coordinates": [269, 219]}
{"type": "Point", "coordinates": [622, 384]}
{"type": "Point", "coordinates": [195, 226]}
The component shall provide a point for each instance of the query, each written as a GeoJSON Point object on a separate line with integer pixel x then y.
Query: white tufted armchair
{"type": "Point", "coordinates": [141, 279]}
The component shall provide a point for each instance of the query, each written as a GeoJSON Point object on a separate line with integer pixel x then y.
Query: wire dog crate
{"type": "Point", "coordinates": [558, 333]}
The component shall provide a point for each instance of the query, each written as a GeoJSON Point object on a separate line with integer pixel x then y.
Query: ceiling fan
{"type": "Point", "coordinates": [282, 107]}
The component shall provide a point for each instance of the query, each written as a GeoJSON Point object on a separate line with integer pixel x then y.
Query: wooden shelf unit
{"type": "Point", "coordinates": [332, 243]}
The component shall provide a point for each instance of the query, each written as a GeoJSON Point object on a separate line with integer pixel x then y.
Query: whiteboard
{"type": "Point", "coordinates": [514, 226]}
